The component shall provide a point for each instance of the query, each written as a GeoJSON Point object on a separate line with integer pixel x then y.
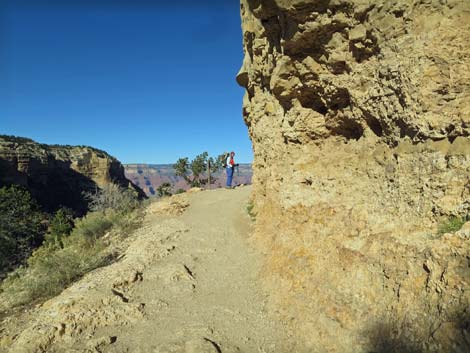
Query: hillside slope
{"type": "Point", "coordinates": [186, 282]}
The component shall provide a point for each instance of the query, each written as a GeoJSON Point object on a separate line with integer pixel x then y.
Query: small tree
{"type": "Point", "coordinates": [22, 225]}
{"type": "Point", "coordinates": [196, 173]}
{"type": "Point", "coordinates": [221, 160]}
{"type": "Point", "coordinates": [60, 227]}
{"type": "Point", "coordinates": [164, 189]}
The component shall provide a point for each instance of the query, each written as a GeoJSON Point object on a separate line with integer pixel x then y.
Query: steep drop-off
{"type": "Point", "coordinates": [150, 176]}
{"type": "Point", "coordinates": [58, 175]}
{"type": "Point", "coordinates": [359, 116]}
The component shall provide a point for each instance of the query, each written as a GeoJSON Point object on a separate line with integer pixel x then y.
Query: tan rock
{"type": "Point", "coordinates": [363, 148]}
{"type": "Point", "coordinates": [170, 206]}
{"type": "Point", "coordinates": [357, 33]}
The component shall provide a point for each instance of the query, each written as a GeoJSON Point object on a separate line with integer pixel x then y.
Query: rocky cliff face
{"type": "Point", "coordinates": [58, 175]}
{"type": "Point", "coordinates": [359, 116]}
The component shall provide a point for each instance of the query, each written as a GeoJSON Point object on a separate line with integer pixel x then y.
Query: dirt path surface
{"type": "Point", "coordinates": [205, 296]}
{"type": "Point", "coordinates": [187, 283]}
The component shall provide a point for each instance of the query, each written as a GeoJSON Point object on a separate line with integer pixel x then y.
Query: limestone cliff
{"type": "Point", "coordinates": [359, 114]}
{"type": "Point", "coordinates": [58, 175]}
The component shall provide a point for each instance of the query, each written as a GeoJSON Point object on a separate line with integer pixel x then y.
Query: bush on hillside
{"type": "Point", "coordinates": [22, 225]}
{"type": "Point", "coordinates": [61, 226]}
{"type": "Point", "coordinates": [164, 190]}
{"type": "Point", "coordinates": [93, 226]}
{"type": "Point", "coordinates": [51, 268]}
{"type": "Point", "coordinates": [71, 247]}
{"type": "Point", "coordinates": [114, 197]}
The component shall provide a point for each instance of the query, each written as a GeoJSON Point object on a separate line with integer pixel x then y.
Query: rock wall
{"type": "Point", "coordinates": [359, 114]}
{"type": "Point", "coordinates": [58, 175]}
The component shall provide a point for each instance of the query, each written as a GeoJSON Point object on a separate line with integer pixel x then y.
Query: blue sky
{"type": "Point", "coordinates": [147, 81]}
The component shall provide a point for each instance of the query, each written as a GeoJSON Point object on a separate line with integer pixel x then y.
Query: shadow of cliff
{"type": "Point", "coordinates": [64, 187]}
{"type": "Point", "coordinates": [451, 336]}
{"type": "Point", "coordinates": [53, 185]}
{"type": "Point", "coordinates": [384, 338]}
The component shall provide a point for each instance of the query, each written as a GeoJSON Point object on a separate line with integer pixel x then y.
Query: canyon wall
{"type": "Point", "coordinates": [58, 175]}
{"type": "Point", "coordinates": [359, 114]}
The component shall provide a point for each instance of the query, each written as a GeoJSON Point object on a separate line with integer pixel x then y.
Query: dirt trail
{"type": "Point", "coordinates": [187, 283]}
{"type": "Point", "coordinates": [207, 292]}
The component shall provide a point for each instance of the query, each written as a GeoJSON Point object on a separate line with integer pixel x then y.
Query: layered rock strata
{"type": "Point", "coordinates": [59, 175]}
{"type": "Point", "coordinates": [359, 116]}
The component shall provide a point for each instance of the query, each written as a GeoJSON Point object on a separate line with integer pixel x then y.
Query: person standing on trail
{"type": "Point", "coordinates": [230, 167]}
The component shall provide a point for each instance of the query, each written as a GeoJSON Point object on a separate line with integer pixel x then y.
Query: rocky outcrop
{"type": "Point", "coordinates": [359, 116]}
{"type": "Point", "coordinates": [58, 175]}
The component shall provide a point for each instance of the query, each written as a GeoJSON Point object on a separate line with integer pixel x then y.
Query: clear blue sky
{"type": "Point", "coordinates": [147, 81]}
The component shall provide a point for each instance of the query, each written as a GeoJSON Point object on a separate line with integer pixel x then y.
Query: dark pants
{"type": "Point", "coordinates": [229, 176]}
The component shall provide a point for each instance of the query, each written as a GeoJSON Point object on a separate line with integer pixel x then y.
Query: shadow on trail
{"type": "Point", "coordinates": [452, 336]}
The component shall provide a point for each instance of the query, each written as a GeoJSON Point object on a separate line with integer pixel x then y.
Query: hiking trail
{"type": "Point", "coordinates": [186, 283]}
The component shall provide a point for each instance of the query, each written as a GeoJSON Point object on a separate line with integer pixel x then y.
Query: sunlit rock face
{"type": "Point", "coordinates": [58, 176]}
{"type": "Point", "coordinates": [359, 114]}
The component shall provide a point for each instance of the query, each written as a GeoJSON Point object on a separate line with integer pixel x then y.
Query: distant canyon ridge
{"type": "Point", "coordinates": [59, 176]}
{"type": "Point", "coordinates": [150, 176]}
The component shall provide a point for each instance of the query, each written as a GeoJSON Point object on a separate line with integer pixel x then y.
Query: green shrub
{"type": "Point", "coordinates": [70, 250]}
{"type": "Point", "coordinates": [127, 223]}
{"type": "Point", "coordinates": [93, 226]}
{"type": "Point", "coordinates": [164, 190]}
{"type": "Point", "coordinates": [180, 191]}
{"type": "Point", "coordinates": [250, 209]}
{"type": "Point", "coordinates": [61, 226]}
{"type": "Point", "coordinates": [51, 268]}
{"type": "Point", "coordinates": [22, 225]}
{"type": "Point", "coordinates": [450, 225]}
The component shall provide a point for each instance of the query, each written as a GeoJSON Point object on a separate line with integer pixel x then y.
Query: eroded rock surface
{"type": "Point", "coordinates": [58, 175]}
{"type": "Point", "coordinates": [359, 116]}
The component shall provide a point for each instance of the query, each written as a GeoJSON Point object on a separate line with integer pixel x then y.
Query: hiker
{"type": "Point", "coordinates": [230, 167]}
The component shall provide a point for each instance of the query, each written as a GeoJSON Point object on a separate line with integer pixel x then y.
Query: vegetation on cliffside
{"type": "Point", "coordinates": [21, 226]}
{"type": "Point", "coordinates": [53, 257]}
